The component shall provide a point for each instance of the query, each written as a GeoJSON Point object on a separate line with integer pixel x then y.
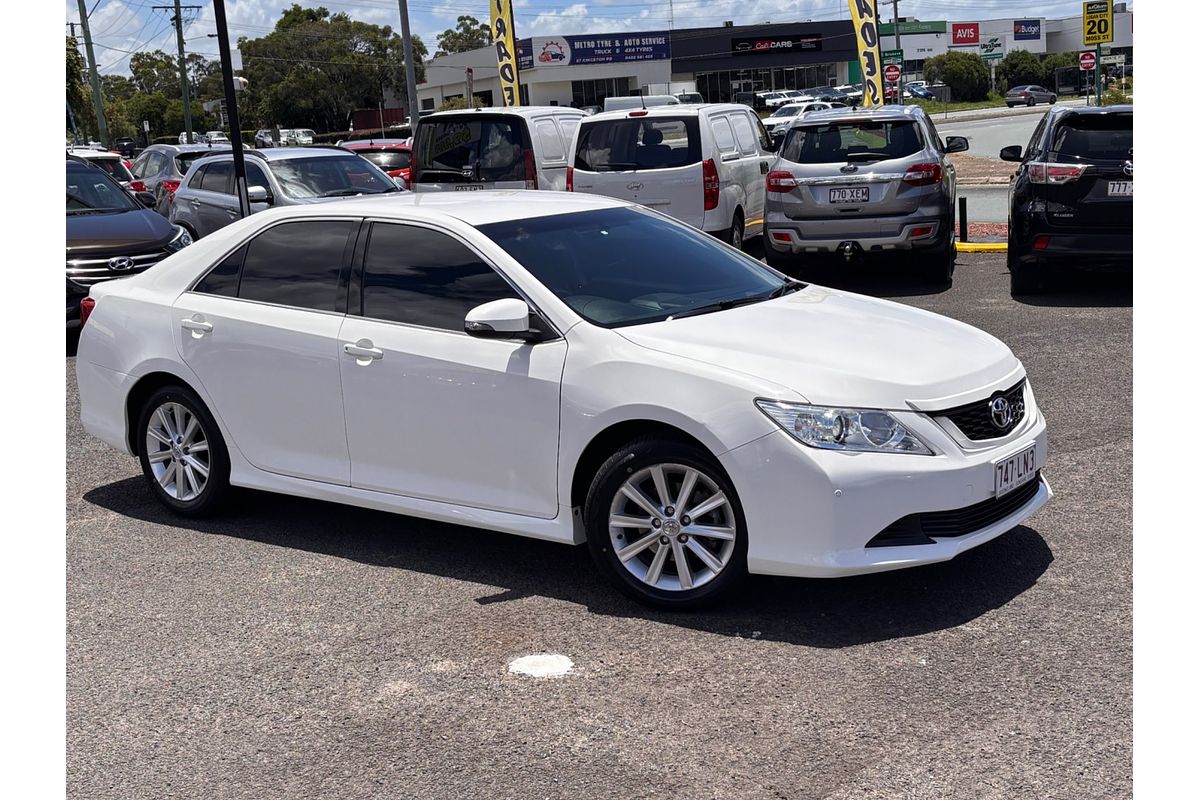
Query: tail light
{"type": "Point", "coordinates": [925, 174]}
{"type": "Point", "coordinates": [638, 113]}
{"type": "Point", "coordinates": [1041, 242]}
{"type": "Point", "coordinates": [128, 164]}
{"type": "Point", "coordinates": [780, 181]}
{"type": "Point", "coordinates": [530, 170]}
{"type": "Point", "coordinates": [1041, 172]}
{"type": "Point", "coordinates": [712, 185]}
{"type": "Point", "coordinates": [137, 186]}
{"type": "Point", "coordinates": [86, 305]}
{"type": "Point", "coordinates": [920, 232]}
{"type": "Point", "coordinates": [570, 179]}
{"type": "Point", "coordinates": [170, 186]}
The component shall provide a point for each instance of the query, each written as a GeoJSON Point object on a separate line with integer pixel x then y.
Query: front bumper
{"type": "Point", "coordinates": [811, 513]}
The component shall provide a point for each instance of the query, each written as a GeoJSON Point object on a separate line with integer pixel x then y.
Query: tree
{"type": "Point", "coordinates": [965, 73]}
{"type": "Point", "coordinates": [453, 104]}
{"type": "Point", "coordinates": [173, 117]}
{"type": "Point", "coordinates": [1051, 64]}
{"type": "Point", "coordinates": [1019, 68]}
{"type": "Point", "coordinates": [116, 88]}
{"type": "Point", "coordinates": [315, 68]}
{"type": "Point", "coordinates": [154, 72]}
{"type": "Point", "coordinates": [471, 34]}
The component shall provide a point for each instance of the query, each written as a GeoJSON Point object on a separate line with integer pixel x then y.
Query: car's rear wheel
{"type": "Point", "coordinates": [937, 264]}
{"type": "Point", "coordinates": [786, 262]}
{"type": "Point", "coordinates": [1053, 99]}
{"type": "Point", "coordinates": [1022, 279]}
{"type": "Point", "coordinates": [1031, 102]}
{"type": "Point", "coordinates": [182, 453]}
{"type": "Point", "coordinates": [737, 232]}
{"type": "Point", "coordinates": [664, 524]}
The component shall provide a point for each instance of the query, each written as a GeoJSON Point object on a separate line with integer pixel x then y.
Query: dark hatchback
{"type": "Point", "coordinates": [110, 234]}
{"type": "Point", "coordinates": [1071, 198]}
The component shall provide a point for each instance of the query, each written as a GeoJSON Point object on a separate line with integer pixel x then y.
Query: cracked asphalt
{"type": "Point", "coordinates": [297, 649]}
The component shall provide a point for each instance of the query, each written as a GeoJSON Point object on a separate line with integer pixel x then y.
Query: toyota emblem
{"type": "Point", "coordinates": [1129, 168]}
{"type": "Point", "coordinates": [1002, 412]}
{"type": "Point", "coordinates": [635, 187]}
{"type": "Point", "coordinates": [121, 263]}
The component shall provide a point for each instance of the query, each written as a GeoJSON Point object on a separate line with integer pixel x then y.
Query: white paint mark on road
{"type": "Point", "coordinates": [541, 665]}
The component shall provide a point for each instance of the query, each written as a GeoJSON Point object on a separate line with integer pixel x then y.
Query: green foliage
{"type": "Point", "coordinates": [154, 72]}
{"type": "Point", "coordinates": [79, 91]}
{"type": "Point", "coordinates": [965, 73]}
{"type": "Point", "coordinates": [453, 104]}
{"type": "Point", "coordinates": [1115, 97]}
{"type": "Point", "coordinates": [317, 67]}
{"type": "Point", "coordinates": [173, 116]}
{"type": "Point", "coordinates": [1019, 68]}
{"type": "Point", "coordinates": [471, 34]}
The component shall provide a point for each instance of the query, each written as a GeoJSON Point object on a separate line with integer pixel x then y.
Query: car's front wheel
{"type": "Point", "coordinates": [664, 524]}
{"type": "Point", "coordinates": [182, 453]}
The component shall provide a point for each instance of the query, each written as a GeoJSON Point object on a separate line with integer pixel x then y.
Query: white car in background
{"type": "Point", "coordinates": [705, 165]}
{"type": "Point", "coordinates": [567, 368]}
{"type": "Point", "coordinates": [782, 118]}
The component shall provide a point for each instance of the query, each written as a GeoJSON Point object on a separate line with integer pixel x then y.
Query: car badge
{"type": "Point", "coordinates": [121, 263]}
{"type": "Point", "coordinates": [1002, 412]}
{"type": "Point", "coordinates": [849, 168]}
{"type": "Point", "coordinates": [1129, 168]}
{"type": "Point", "coordinates": [635, 187]}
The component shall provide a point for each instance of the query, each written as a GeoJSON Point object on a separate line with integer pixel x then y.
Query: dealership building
{"type": "Point", "coordinates": [723, 61]}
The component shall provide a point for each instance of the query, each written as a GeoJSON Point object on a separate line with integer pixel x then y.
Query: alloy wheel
{"type": "Point", "coordinates": [177, 450]}
{"type": "Point", "coordinates": [672, 527]}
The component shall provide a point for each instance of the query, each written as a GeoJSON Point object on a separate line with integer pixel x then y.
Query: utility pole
{"type": "Point", "coordinates": [235, 125]}
{"type": "Point", "coordinates": [183, 79]}
{"type": "Point", "coordinates": [896, 30]}
{"type": "Point", "coordinates": [97, 97]}
{"type": "Point", "coordinates": [410, 69]}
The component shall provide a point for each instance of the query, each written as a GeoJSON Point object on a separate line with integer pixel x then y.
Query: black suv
{"type": "Point", "coordinates": [1071, 198]}
{"type": "Point", "coordinates": [110, 234]}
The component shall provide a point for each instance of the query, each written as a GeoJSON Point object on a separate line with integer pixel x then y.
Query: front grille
{"type": "Point", "coordinates": [975, 419]}
{"type": "Point", "coordinates": [921, 528]}
{"type": "Point", "coordinates": [90, 271]}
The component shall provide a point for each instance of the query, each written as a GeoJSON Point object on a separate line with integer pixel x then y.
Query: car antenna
{"type": "Point", "coordinates": [642, 97]}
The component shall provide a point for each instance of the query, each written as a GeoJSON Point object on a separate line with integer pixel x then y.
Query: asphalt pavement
{"type": "Point", "coordinates": [297, 649]}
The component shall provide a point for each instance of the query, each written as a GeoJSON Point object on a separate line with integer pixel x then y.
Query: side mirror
{"type": "Point", "coordinates": [956, 144]}
{"type": "Point", "coordinates": [259, 194]}
{"type": "Point", "coordinates": [1011, 153]}
{"type": "Point", "coordinates": [145, 198]}
{"type": "Point", "coordinates": [500, 319]}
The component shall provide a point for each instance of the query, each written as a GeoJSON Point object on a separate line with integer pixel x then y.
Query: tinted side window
{"type": "Point", "coordinates": [422, 277]}
{"type": "Point", "coordinates": [223, 279]}
{"type": "Point", "coordinates": [194, 183]}
{"type": "Point", "coordinates": [297, 264]}
{"type": "Point", "coordinates": [216, 177]}
{"type": "Point", "coordinates": [255, 176]}
{"type": "Point", "coordinates": [1035, 141]}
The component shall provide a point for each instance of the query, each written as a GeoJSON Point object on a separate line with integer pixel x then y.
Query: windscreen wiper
{"type": "Point", "coordinates": [721, 305]}
{"type": "Point", "coordinates": [787, 288]}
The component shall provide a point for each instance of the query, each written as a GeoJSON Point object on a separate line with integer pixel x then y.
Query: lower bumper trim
{"type": "Point", "coordinates": [924, 528]}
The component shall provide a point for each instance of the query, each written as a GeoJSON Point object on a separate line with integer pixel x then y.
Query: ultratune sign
{"type": "Point", "coordinates": [605, 48]}
{"type": "Point", "coordinates": [1026, 29]}
{"type": "Point", "coordinates": [758, 45]}
{"type": "Point", "coordinates": [506, 51]}
{"type": "Point", "coordinates": [866, 30]}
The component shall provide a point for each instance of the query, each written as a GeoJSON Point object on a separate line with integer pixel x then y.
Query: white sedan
{"type": "Point", "coordinates": [568, 367]}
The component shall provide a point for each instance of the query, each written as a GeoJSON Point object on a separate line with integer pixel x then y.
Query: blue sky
{"type": "Point", "coordinates": [121, 26]}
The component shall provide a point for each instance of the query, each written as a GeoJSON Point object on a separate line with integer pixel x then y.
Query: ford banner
{"type": "Point", "coordinates": [866, 29]}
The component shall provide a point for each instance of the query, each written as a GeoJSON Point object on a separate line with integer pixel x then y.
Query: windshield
{"type": "Point", "coordinates": [786, 111]}
{"type": "Point", "coordinates": [639, 143]}
{"type": "Point", "coordinates": [482, 149]}
{"type": "Point", "coordinates": [1095, 137]}
{"type": "Point", "coordinates": [597, 263]}
{"type": "Point", "coordinates": [91, 191]}
{"type": "Point", "coordinates": [387, 159]}
{"type": "Point", "coordinates": [330, 176]}
{"type": "Point", "coordinates": [852, 140]}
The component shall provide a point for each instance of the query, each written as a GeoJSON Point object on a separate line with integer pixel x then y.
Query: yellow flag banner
{"type": "Point", "coordinates": [866, 27]}
{"type": "Point", "coordinates": [506, 51]}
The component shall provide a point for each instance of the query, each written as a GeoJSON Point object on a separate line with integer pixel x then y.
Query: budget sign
{"type": "Point", "coordinates": [1025, 29]}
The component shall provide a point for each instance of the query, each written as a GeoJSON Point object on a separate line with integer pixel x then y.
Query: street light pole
{"type": "Point", "coordinates": [896, 26]}
{"type": "Point", "coordinates": [235, 125]}
{"type": "Point", "coordinates": [97, 96]}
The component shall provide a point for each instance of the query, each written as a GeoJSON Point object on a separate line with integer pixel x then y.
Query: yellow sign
{"type": "Point", "coordinates": [506, 51]}
{"type": "Point", "coordinates": [1097, 22]}
{"type": "Point", "coordinates": [866, 27]}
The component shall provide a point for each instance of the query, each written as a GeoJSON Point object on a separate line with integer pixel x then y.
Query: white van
{"type": "Point", "coordinates": [493, 148]}
{"type": "Point", "coordinates": [705, 165]}
{"type": "Point", "coordinates": [640, 101]}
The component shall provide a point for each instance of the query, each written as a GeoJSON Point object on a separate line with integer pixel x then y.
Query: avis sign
{"type": "Point", "coordinates": [964, 33]}
{"type": "Point", "coordinates": [506, 51]}
{"type": "Point", "coordinates": [866, 31]}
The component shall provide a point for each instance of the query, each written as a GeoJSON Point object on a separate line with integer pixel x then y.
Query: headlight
{"type": "Point", "coordinates": [853, 429]}
{"type": "Point", "coordinates": [182, 239]}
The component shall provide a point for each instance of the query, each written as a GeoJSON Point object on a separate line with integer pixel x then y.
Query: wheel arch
{"type": "Point", "coordinates": [140, 392]}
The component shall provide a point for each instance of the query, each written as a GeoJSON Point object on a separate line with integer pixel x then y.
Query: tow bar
{"type": "Point", "coordinates": [849, 249]}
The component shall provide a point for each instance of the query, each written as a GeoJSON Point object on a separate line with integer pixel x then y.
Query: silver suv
{"type": "Point", "coordinates": [863, 181]}
{"type": "Point", "coordinates": [280, 176]}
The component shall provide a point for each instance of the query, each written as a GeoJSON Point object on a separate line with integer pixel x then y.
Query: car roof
{"type": "Point", "coordinates": [874, 113]}
{"type": "Point", "coordinates": [84, 152]}
{"type": "Point", "coordinates": [516, 111]}
{"type": "Point", "coordinates": [356, 144]}
{"type": "Point", "coordinates": [283, 153]}
{"type": "Point", "coordinates": [683, 109]}
{"type": "Point", "coordinates": [1061, 110]}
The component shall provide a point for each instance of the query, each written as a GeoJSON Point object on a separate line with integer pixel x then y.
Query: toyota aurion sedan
{"type": "Point", "coordinates": [568, 367]}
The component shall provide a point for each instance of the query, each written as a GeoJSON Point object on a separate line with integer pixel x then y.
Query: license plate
{"type": "Point", "coordinates": [1120, 188]}
{"type": "Point", "coordinates": [1014, 471]}
{"type": "Point", "coordinates": [467, 187]}
{"type": "Point", "coordinates": [849, 195]}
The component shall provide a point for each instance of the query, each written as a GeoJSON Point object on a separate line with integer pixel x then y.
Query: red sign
{"type": "Point", "coordinates": [891, 73]}
{"type": "Point", "coordinates": [964, 33]}
{"type": "Point", "coordinates": [1087, 61]}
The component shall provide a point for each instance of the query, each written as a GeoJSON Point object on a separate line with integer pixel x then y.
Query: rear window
{"type": "Point", "coordinates": [851, 141]}
{"type": "Point", "coordinates": [387, 159]}
{"type": "Point", "coordinates": [638, 143]}
{"type": "Point", "coordinates": [475, 149]}
{"type": "Point", "coordinates": [1094, 137]}
{"type": "Point", "coordinates": [114, 167]}
{"type": "Point", "coordinates": [183, 161]}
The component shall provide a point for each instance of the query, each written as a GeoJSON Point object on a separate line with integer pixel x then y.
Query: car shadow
{"type": "Point", "coordinates": [1084, 290]}
{"type": "Point", "coordinates": [877, 276]}
{"type": "Point", "coordinates": [72, 342]}
{"type": "Point", "coordinates": [814, 613]}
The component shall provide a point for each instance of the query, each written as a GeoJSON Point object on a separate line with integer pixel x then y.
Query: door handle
{"type": "Point", "coordinates": [364, 351]}
{"type": "Point", "coordinates": [197, 326]}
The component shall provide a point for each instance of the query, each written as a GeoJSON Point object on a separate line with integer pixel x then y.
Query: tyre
{"type": "Point", "coordinates": [737, 232]}
{"type": "Point", "coordinates": [1031, 102]}
{"type": "Point", "coordinates": [1053, 99]}
{"type": "Point", "coordinates": [787, 263]}
{"type": "Point", "coordinates": [1022, 280]}
{"type": "Point", "coordinates": [937, 264]}
{"type": "Point", "coordinates": [1010, 105]}
{"type": "Point", "coordinates": [182, 453]}
{"type": "Point", "coordinates": [664, 524]}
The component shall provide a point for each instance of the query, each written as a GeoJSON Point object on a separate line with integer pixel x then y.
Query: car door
{"type": "Point", "coordinates": [260, 331]}
{"type": "Point", "coordinates": [432, 412]}
{"type": "Point", "coordinates": [218, 205]}
{"type": "Point", "coordinates": [751, 167]}
{"type": "Point", "coordinates": [550, 154]}
{"type": "Point", "coordinates": [721, 218]}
